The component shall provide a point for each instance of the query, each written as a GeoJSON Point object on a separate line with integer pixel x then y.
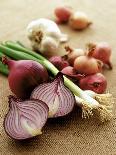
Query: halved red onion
{"type": "Point", "coordinates": [25, 119]}
{"type": "Point", "coordinates": [58, 97]}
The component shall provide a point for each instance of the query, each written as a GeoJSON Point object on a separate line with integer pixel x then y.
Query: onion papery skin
{"type": "Point", "coordinates": [87, 65]}
{"type": "Point", "coordinates": [101, 51]}
{"type": "Point", "coordinates": [59, 62]}
{"type": "Point", "coordinates": [72, 54]}
{"type": "Point", "coordinates": [25, 119]}
{"type": "Point", "coordinates": [58, 97]}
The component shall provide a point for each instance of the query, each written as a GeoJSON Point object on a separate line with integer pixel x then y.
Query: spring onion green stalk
{"type": "Point", "coordinates": [1, 55]}
{"type": "Point", "coordinates": [18, 42]}
{"type": "Point", "coordinates": [3, 69]}
{"type": "Point", "coordinates": [16, 46]}
{"type": "Point", "coordinates": [88, 103]}
{"type": "Point", "coordinates": [17, 55]}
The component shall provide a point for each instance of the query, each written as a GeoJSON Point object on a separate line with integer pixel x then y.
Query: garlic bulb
{"type": "Point", "coordinates": [45, 35]}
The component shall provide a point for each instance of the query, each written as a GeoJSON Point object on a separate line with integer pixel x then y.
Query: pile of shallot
{"type": "Point", "coordinates": [85, 67]}
{"type": "Point", "coordinates": [76, 20]}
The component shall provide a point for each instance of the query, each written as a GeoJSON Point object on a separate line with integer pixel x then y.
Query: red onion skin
{"type": "Point", "coordinates": [62, 13]}
{"type": "Point", "coordinates": [24, 76]}
{"type": "Point", "coordinates": [16, 101]}
{"type": "Point", "coordinates": [102, 51]}
{"type": "Point", "coordinates": [58, 62]}
{"type": "Point", "coordinates": [87, 65]}
{"type": "Point", "coordinates": [70, 71]}
{"type": "Point", "coordinates": [96, 82]}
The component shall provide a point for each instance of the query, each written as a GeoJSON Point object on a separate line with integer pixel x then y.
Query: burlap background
{"type": "Point", "coordinates": [70, 135]}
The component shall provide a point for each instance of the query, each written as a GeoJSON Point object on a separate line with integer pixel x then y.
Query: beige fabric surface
{"type": "Point", "coordinates": [70, 135]}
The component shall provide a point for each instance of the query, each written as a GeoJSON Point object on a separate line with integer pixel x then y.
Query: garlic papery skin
{"type": "Point", "coordinates": [45, 35]}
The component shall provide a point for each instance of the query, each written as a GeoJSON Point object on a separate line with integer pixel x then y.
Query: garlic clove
{"type": "Point", "coordinates": [64, 38]}
{"type": "Point", "coordinates": [49, 44]}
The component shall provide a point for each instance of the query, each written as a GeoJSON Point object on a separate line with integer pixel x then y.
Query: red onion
{"type": "Point", "coordinates": [62, 13]}
{"type": "Point", "coordinates": [101, 51]}
{"type": "Point", "coordinates": [59, 98]}
{"type": "Point", "coordinates": [58, 62]}
{"type": "Point", "coordinates": [24, 76]}
{"type": "Point", "coordinates": [73, 54]}
{"type": "Point", "coordinates": [25, 119]}
{"type": "Point", "coordinates": [69, 71]}
{"type": "Point", "coordinates": [96, 82]}
{"type": "Point", "coordinates": [87, 65]}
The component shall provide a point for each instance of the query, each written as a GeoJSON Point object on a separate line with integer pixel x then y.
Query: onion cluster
{"type": "Point", "coordinates": [85, 66]}
{"type": "Point", "coordinates": [26, 118]}
{"type": "Point", "coordinates": [76, 20]}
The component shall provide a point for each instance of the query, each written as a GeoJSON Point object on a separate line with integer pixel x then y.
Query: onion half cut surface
{"type": "Point", "coordinates": [25, 119]}
{"type": "Point", "coordinates": [58, 97]}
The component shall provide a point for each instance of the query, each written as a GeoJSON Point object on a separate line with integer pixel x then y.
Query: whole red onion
{"type": "Point", "coordinates": [24, 76]}
{"type": "Point", "coordinates": [58, 62]}
{"type": "Point", "coordinates": [101, 51]}
{"type": "Point", "coordinates": [96, 82]}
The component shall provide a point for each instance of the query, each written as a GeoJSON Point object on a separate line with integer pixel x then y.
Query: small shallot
{"type": "Point", "coordinates": [101, 51]}
{"type": "Point", "coordinates": [73, 54]}
{"type": "Point", "coordinates": [59, 62]}
{"type": "Point", "coordinates": [59, 98]}
{"type": "Point", "coordinates": [79, 21]}
{"type": "Point", "coordinates": [96, 82]}
{"type": "Point", "coordinates": [63, 13]}
{"type": "Point", "coordinates": [87, 65]}
{"type": "Point", "coordinates": [25, 119]}
{"type": "Point", "coordinates": [70, 72]}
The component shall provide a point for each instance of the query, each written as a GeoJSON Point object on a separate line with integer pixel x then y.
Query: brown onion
{"type": "Point", "coordinates": [73, 54]}
{"type": "Point", "coordinates": [25, 119]}
{"type": "Point", "coordinates": [79, 21]}
{"type": "Point", "coordinates": [58, 97]}
{"type": "Point", "coordinates": [87, 65]}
